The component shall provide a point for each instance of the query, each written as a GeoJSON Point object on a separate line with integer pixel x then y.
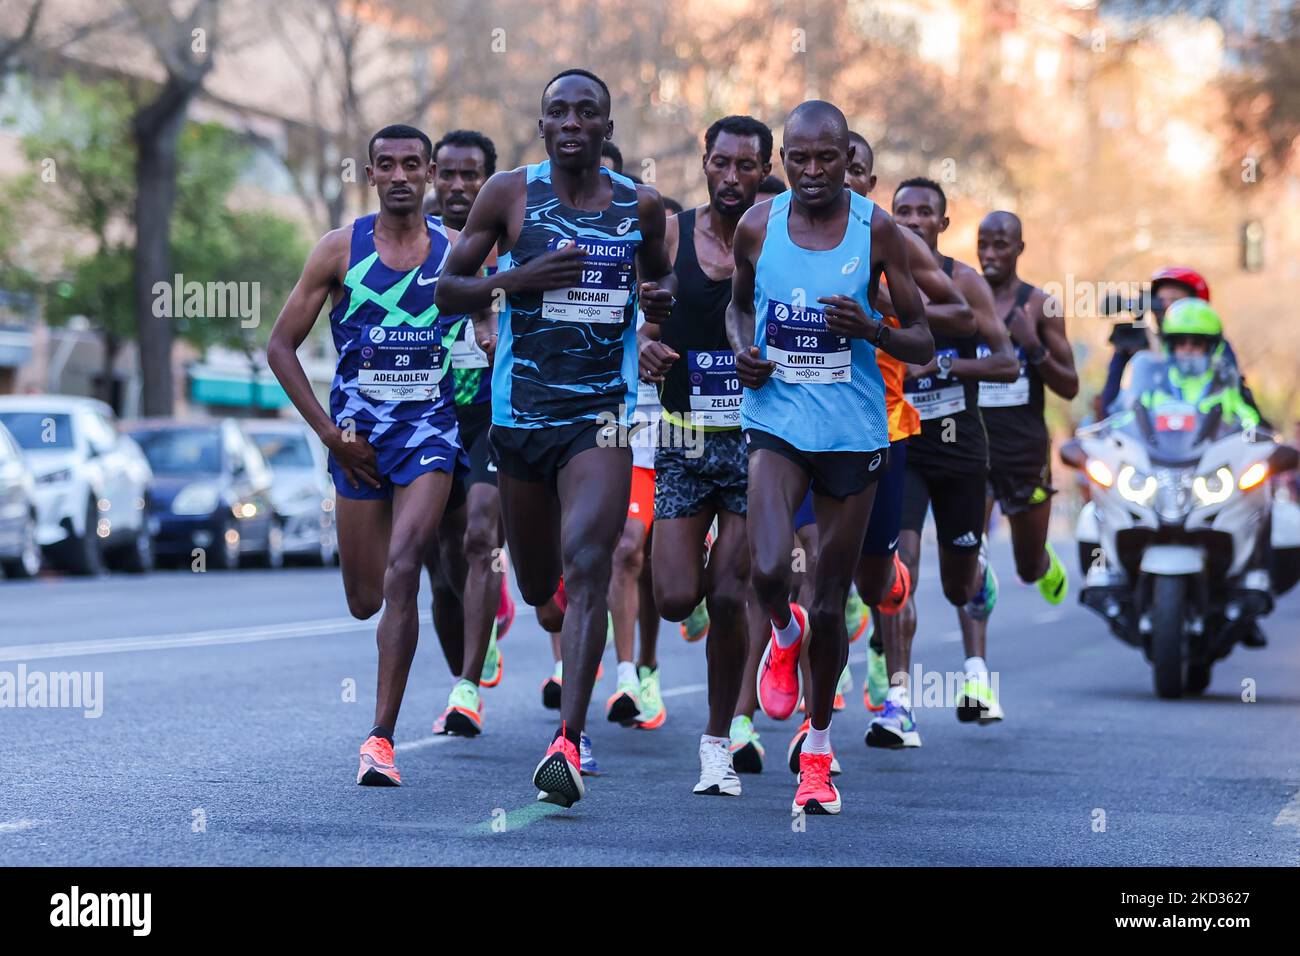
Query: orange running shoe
{"type": "Point", "coordinates": [793, 752]}
{"type": "Point", "coordinates": [377, 767]}
{"type": "Point", "coordinates": [780, 684]}
{"type": "Point", "coordinates": [898, 594]}
{"type": "Point", "coordinates": [558, 778]}
{"type": "Point", "coordinates": [816, 793]}
{"type": "Point", "coordinates": [464, 714]}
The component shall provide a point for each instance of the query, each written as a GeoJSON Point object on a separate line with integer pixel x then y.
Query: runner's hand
{"type": "Point", "coordinates": [557, 269]}
{"type": "Point", "coordinates": [921, 371]}
{"type": "Point", "coordinates": [1022, 329]}
{"type": "Point", "coordinates": [656, 360]}
{"type": "Point", "coordinates": [355, 457]}
{"type": "Point", "coordinates": [845, 316]}
{"type": "Point", "coordinates": [488, 343]}
{"type": "Point", "coordinates": [656, 303]}
{"type": "Point", "coordinates": [752, 370]}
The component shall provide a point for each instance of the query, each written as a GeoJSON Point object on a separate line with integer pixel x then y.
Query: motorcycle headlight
{"type": "Point", "coordinates": [199, 498]}
{"type": "Point", "coordinates": [1214, 489]}
{"type": "Point", "coordinates": [1136, 487]}
{"type": "Point", "coordinates": [1099, 472]}
{"type": "Point", "coordinates": [1253, 475]}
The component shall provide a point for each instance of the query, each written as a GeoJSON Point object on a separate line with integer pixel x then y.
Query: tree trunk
{"type": "Point", "coordinates": [156, 129]}
{"type": "Point", "coordinates": [112, 346]}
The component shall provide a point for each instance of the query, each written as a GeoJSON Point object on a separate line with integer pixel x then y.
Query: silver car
{"type": "Point", "coordinates": [301, 489]}
{"type": "Point", "coordinates": [20, 552]}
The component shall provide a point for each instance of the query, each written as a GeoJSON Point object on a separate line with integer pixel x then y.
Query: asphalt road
{"type": "Point", "coordinates": [225, 739]}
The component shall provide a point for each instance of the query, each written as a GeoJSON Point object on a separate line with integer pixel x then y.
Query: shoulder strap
{"type": "Point", "coordinates": [1023, 293]}
{"type": "Point", "coordinates": [947, 266]}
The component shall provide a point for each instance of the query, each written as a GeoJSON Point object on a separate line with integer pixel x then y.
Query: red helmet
{"type": "Point", "coordinates": [1183, 276]}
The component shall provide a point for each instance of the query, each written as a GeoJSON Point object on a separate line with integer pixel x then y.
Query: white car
{"type": "Point", "coordinates": [91, 482]}
{"type": "Point", "coordinates": [20, 555]}
{"type": "Point", "coordinates": [302, 491]}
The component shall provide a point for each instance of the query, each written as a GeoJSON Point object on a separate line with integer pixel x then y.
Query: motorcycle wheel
{"type": "Point", "coordinates": [1198, 678]}
{"type": "Point", "coordinates": [1168, 654]}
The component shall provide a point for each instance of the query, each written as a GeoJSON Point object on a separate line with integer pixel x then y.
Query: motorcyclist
{"type": "Point", "coordinates": [1199, 371]}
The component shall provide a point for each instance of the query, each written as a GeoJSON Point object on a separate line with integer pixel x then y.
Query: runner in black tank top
{"type": "Point", "coordinates": [947, 467]}
{"type": "Point", "coordinates": [1019, 445]}
{"type": "Point", "coordinates": [704, 476]}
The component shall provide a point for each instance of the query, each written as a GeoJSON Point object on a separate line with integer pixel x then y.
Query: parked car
{"type": "Point", "coordinates": [20, 554]}
{"type": "Point", "coordinates": [91, 482]}
{"type": "Point", "coordinates": [211, 491]}
{"type": "Point", "coordinates": [302, 491]}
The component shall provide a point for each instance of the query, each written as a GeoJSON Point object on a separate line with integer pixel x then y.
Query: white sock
{"type": "Point", "coordinates": [975, 667]}
{"type": "Point", "coordinates": [627, 673]}
{"type": "Point", "coordinates": [817, 741]}
{"type": "Point", "coordinates": [786, 636]}
{"type": "Point", "coordinates": [900, 695]}
{"type": "Point", "coordinates": [559, 669]}
{"type": "Point", "coordinates": [715, 741]}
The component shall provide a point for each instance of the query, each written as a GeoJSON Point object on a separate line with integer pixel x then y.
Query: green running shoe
{"type": "Point", "coordinates": [986, 598]}
{"type": "Point", "coordinates": [697, 625]}
{"type": "Point", "coordinates": [653, 711]}
{"type": "Point", "coordinates": [493, 666]}
{"type": "Point", "coordinates": [624, 705]}
{"type": "Point", "coordinates": [857, 616]}
{"type": "Point", "coordinates": [978, 702]}
{"type": "Point", "coordinates": [877, 686]}
{"type": "Point", "coordinates": [746, 752]}
{"type": "Point", "coordinates": [464, 714]}
{"type": "Point", "coordinates": [1055, 584]}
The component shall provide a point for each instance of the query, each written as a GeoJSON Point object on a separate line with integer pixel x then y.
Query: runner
{"type": "Point", "coordinates": [391, 429]}
{"type": "Point", "coordinates": [814, 405]}
{"type": "Point", "coordinates": [703, 480]}
{"type": "Point", "coordinates": [472, 607]}
{"type": "Point", "coordinates": [882, 579]}
{"type": "Point", "coordinates": [947, 467]}
{"type": "Point", "coordinates": [1020, 474]}
{"type": "Point", "coordinates": [573, 240]}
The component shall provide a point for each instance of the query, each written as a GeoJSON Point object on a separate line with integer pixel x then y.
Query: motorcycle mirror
{"type": "Point", "coordinates": [1072, 454]}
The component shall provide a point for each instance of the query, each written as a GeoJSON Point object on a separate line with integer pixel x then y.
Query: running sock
{"type": "Point", "coordinates": [817, 741]}
{"type": "Point", "coordinates": [575, 736]}
{"type": "Point", "coordinates": [786, 636]}
{"type": "Point", "coordinates": [900, 695]}
{"type": "Point", "coordinates": [975, 667]}
{"type": "Point", "coordinates": [559, 670]}
{"type": "Point", "coordinates": [380, 731]}
{"type": "Point", "coordinates": [717, 741]}
{"type": "Point", "coordinates": [627, 673]}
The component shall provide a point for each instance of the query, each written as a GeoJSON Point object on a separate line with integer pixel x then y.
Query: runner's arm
{"type": "Point", "coordinates": [461, 289]}
{"type": "Point", "coordinates": [911, 341]}
{"type": "Point", "coordinates": [752, 370]}
{"type": "Point", "coordinates": [1057, 366]}
{"type": "Point", "coordinates": [947, 310]}
{"type": "Point", "coordinates": [654, 264]}
{"type": "Point", "coordinates": [293, 325]}
{"type": "Point", "coordinates": [1001, 364]}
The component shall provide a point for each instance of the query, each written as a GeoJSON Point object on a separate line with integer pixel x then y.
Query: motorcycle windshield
{"type": "Point", "coordinates": [1156, 411]}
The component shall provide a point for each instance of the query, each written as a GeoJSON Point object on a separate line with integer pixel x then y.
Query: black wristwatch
{"type": "Point", "coordinates": [881, 337]}
{"type": "Point", "coordinates": [1037, 357]}
{"type": "Point", "coordinates": [945, 366]}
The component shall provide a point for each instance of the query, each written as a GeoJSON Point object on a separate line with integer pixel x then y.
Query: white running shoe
{"type": "Point", "coordinates": [717, 776]}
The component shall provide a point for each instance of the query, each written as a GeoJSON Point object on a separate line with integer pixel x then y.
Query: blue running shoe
{"type": "Point", "coordinates": [587, 762]}
{"type": "Point", "coordinates": [894, 728]}
{"type": "Point", "coordinates": [986, 598]}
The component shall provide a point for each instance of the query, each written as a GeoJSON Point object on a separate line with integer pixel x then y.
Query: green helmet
{"type": "Point", "coordinates": [1191, 317]}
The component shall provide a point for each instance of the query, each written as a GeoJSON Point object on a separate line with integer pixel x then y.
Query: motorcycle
{"type": "Point", "coordinates": [1183, 547]}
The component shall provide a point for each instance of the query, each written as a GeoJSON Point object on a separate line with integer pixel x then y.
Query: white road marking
{"type": "Point", "coordinates": [420, 744]}
{"type": "Point", "coordinates": [164, 642]}
{"type": "Point", "coordinates": [13, 826]}
{"type": "Point", "coordinates": [1049, 617]}
{"type": "Point", "coordinates": [950, 636]}
{"type": "Point", "coordinates": [684, 689]}
{"type": "Point", "coordinates": [1289, 816]}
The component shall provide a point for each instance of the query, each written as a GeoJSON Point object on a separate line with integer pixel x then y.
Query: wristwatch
{"type": "Point", "coordinates": [945, 366]}
{"type": "Point", "coordinates": [881, 336]}
{"type": "Point", "coordinates": [1036, 356]}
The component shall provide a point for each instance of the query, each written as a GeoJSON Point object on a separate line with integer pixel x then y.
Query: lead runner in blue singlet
{"type": "Point", "coordinates": [805, 334]}
{"type": "Point", "coordinates": [578, 247]}
{"type": "Point", "coordinates": [391, 427]}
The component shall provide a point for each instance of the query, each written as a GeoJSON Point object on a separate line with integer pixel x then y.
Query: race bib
{"type": "Point", "coordinates": [604, 290]}
{"type": "Point", "coordinates": [401, 364]}
{"type": "Point", "coordinates": [465, 351]}
{"type": "Point", "coordinates": [804, 350]}
{"type": "Point", "coordinates": [715, 389]}
{"type": "Point", "coordinates": [1004, 394]}
{"type": "Point", "coordinates": [932, 397]}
